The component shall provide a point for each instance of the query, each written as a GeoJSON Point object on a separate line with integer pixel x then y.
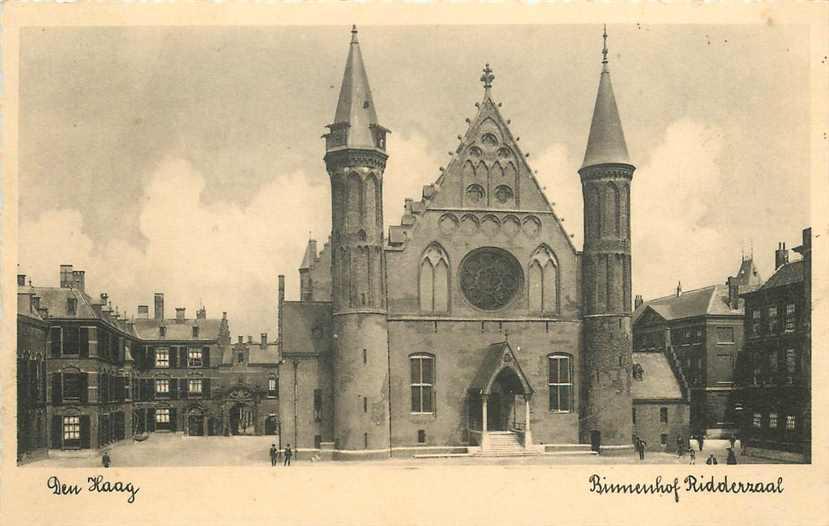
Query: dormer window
{"type": "Point", "coordinates": [72, 306]}
{"type": "Point", "coordinates": [195, 331]}
{"type": "Point", "coordinates": [162, 331]}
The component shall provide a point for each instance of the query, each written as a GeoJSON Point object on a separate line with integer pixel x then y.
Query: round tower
{"type": "Point", "coordinates": [355, 157]}
{"type": "Point", "coordinates": [606, 174]}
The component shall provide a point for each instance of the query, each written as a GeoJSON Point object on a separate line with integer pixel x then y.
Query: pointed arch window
{"type": "Point", "coordinates": [434, 280]}
{"type": "Point", "coordinates": [616, 208]}
{"type": "Point", "coordinates": [543, 281]}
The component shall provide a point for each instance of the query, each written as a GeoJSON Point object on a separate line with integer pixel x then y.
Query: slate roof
{"type": "Point", "coordinates": [300, 319]}
{"type": "Point", "coordinates": [209, 329]}
{"type": "Point", "coordinates": [606, 142]}
{"type": "Point", "coordinates": [658, 381]}
{"type": "Point", "coordinates": [709, 300]}
{"type": "Point", "coordinates": [54, 298]}
{"type": "Point", "coordinates": [786, 275]}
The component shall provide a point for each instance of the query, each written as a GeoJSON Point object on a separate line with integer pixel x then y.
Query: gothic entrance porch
{"type": "Point", "coordinates": [498, 405]}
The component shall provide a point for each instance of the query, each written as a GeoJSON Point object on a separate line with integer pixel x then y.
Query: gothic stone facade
{"type": "Point", "coordinates": [477, 313]}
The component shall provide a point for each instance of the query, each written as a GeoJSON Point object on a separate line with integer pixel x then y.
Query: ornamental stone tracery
{"type": "Point", "coordinates": [490, 278]}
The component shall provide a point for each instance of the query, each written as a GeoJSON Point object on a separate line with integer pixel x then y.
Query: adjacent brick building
{"type": "Point", "coordinates": [32, 426]}
{"type": "Point", "coordinates": [661, 413]}
{"type": "Point", "coordinates": [775, 380]}
{"type": "Point", "coordinates": [701, 333]}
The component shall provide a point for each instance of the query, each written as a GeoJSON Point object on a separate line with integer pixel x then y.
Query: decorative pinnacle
{"type": "Point", "coordinates": [487, 77]}
{"type": "Point", "coordinates": [604, 48]}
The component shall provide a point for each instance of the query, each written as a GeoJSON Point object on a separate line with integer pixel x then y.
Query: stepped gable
{"type": "Point", "coordinates": [488, 172]}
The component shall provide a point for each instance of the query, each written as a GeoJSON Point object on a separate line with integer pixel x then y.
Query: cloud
{"type": "Point", "coordinates": [411, 165]}
{"type": "Point", "coordinates": [558, 177]}
{"type": "Point", "coordinates": [224, 255]}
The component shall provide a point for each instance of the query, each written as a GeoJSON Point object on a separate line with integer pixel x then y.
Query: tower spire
{"type": "Point", "coordinates": [606, 143]}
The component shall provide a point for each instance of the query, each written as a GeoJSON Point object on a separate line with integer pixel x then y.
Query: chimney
{"type": "Point", "coordinates": [66, 279]}
{"type": "Point", "coordinates": [678, 289]}
{"type": "Point", "coordinates": [79, 279]}
{"type": "Point", "coordinates": [264, 339]}
{"type": "Point", "coordinates": [781, 256]}
{"type": "Point", "coordinates": [241, 339]}
{"type": "Point", "coordinates": [201, 314]}
{"type": "Point", "coordinates": [104, 297]}
{"type": "Point", "coordinates": [733, 293]}
{"type": "Point", "coordinates": [180, 314]}
{"type": "Point", "coordinates": [21, 280]}
{"type": "Point", "coordinates": [36, 303]}
{"type": "Point", "coordinates": [280, 316]}
{"type": "Point", "coordinates": [159, 306]}
{"type": "Point", "coordinates": [638, 301]}
{"type": "Point", "coordinates": [43, 311]}
{"type": "Point", "coordinates": [143, 312]}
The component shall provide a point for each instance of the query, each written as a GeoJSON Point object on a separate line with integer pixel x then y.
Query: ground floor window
{"type": "Point", "coordinates": [162, 416]}
{"type": "Point", "coordinates": [757, 420]}
{"type": "Point", "coordinates": [560, 382]}
{"type": "Point", "coordinates": [772, 420]}
{"type": "Point", "coordinates": [791, 423]}
{"type": "Point", "coordinates": [71, 428]}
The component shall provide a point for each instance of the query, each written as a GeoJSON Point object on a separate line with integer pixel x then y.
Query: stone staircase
{"type": "Point", "coordinates": [505, 444]}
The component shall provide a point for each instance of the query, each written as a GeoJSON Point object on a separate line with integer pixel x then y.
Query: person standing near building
{"type": "Point", "coordinates": [700, 440]}
{"type": "Point", "coordinates": [288, 455]}
{"type": "Point", "coordinates": [273, 455]}
{"type": "Point", "coordinates": [642, 446]}
{"type": "Point", "coordinates": [693, 455]}
{"type": "Point", "coordinates": [105, 460]}
{"type": "Point", "coordinates": [680, 448]}
{"type": "Point", "coordinates": [732, 440]}
{"type": "Point", "coordinates": [732, 458]}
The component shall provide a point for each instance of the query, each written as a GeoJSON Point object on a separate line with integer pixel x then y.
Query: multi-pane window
{"type": "Point", "coordinates": [663, 415]}
{"type": "Point", "coordinates": [791, 362]}
{"type": "Point", "coordinates": [194, 358]}
{"type": "Point", "coordinates": [725, 334]}
{"type": "Point", "coordinates": [422, 381]}
{"type": "Point", "coordinates": [757, 420]}
{"type": "Point", "coordinates": [162, 358]}
{"type": "Point", "coordinates": [560, 382]}
{"type": "Point", "coordinates": [772, 319]}
{"type": "Point", "coordinates": [73, 385]}
{"type": "Point", "coordinates": [272, 387]}
{"type": "Point", "coordinates": [755, 321]}
{"type": "Point", "coordinates": [790, 423]}
{"type": "Point", "coordinates": [772, 420]}
{"type": "Point", "coordinates": [790, 317]}
{"type": "Point", "coordinates": [194, 386]}
{"type": "Point", "coordinates": [162, 386]}
{"type": "Point", "coordinates": [71, 428]}
{"type": "Point", "coordinates": [162, 416]}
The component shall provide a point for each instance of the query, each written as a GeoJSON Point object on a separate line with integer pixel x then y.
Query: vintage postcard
{"type": "Point", "coordinates": [409, 264]}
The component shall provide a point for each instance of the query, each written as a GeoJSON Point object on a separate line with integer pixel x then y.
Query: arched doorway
{"type": "Point", "coordinates": [242, 419]}
{"type": "Point", "coordinates": [271, 425]}
{"type": "Point", "coordinates": [195, 422]}
{"type": "Point", "coordinates": [501, 406]}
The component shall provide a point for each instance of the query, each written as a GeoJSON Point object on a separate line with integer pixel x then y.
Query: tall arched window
{"type": "Point", "coordinates": [594, 219]}
{"type": "Point", "coordinates": [560, 382]}
{"type": "Point", "coordinates": [434, 280]}
{"type": "Point", "coordinates": [422, 374]}
{"type": "Point", "coordinates": [615, 212]}
{"type": "Point", "coordinates": [543, 281]}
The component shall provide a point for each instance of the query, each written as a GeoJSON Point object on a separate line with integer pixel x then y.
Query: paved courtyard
{"type": "Point", "coordinates": [177, 450]}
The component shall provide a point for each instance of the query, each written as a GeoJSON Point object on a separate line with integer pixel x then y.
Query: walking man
{"type": "Point", "coordinates": [273, 455]}
{"type": "Point", "coordinates": [105, 460]}
{"type": "Point", "coordinates": [700, 439]}
{"type": "Point", "coordinates": [732, 458]}
{"type": "Point", "coordinates": [692, 455]}
{"type": "Point", "coordinates": [288, 455]}
{"type": "Point", "coordinates": [680, 449]}
{"type": "Point", "coordinates": [733, 440]}
{"type": "Point", "coordinates": [642, 446]}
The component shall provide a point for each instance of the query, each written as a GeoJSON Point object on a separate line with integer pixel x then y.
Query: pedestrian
{"type": "Point", "coordinates": [105, 460]}
{"type": "Point", "coordinates": [700, 439]}
{"type": "Point", "coordinates": [732, 439]}
{"type": "Point", "coordinates": [642, 446]}
{"type": "Point", "coordinates": [711, 460]}
{"type": "Point", "coordinates": [732, 458]}
{"type": "Point", "coordinates": [692, 455]}
{"type": "Point", "coordinates": [288, 455]}
{"type": "Point", "coordinates": [636, 444]}
{"type": "Point", "coordinates": [273, 455]}
{"type": "Point", "coordinates": [680, 450]}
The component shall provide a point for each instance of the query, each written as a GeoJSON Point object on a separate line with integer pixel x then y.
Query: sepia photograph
{"type": "Point", "coordinates": [362, 248]}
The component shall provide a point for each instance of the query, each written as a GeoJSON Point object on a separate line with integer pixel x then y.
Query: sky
{"type": "Point", "coordinates": [188, 160]}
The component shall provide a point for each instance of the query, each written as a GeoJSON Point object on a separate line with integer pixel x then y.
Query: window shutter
{"type": "Point", "coordinates": [57, 388]}
{"type": "Point", "coordinates": [173, 388]}
{"type": "Point", "coordinates": [151, 419]}
{"type": "Point", "coordinates": [84, 388]}
{"type": "Point", "coordinates": [205, 356]}
{"type": "Point", "coordinates": [54, 336]}
{"type": "Point", "coordinates": [173, 357]}
{"type": "Point", "coordinates": [57, 430]}
{"type": "Point", "coordinates": [172, 419]}
{"type": "Point", "coordinates": [151, 359]}
{"type": "Point", "coordinates": [84, 432]}
{"type": "Point", "coordinates": [205, 388]}
{"type": "Point", "coordinates": [183, 353]}
{"type": "Point", "coordinates": [83, 344]}
{"type": "Point", "coordinates": [184, 390]}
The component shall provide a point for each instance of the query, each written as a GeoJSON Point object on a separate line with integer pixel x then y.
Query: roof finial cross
{"type": "Point", "coordinates": [487, 77]}
{"type": "Point", "coordinates": [604, 49]}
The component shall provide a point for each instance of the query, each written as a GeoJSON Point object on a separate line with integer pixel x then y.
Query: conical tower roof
{"type": "Point", "coordinates": [606, 143]}
{"type": "Point", "coordinates": [310, 255]}
{"type": "Point", "coordinates": [355, 106]}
